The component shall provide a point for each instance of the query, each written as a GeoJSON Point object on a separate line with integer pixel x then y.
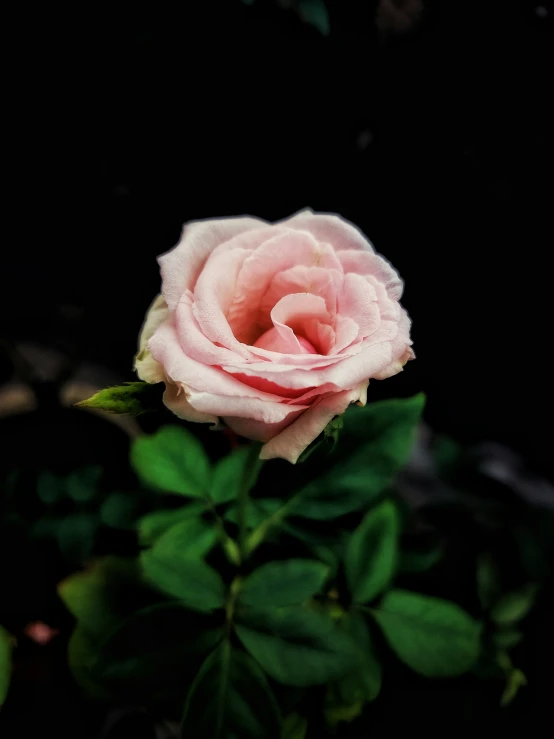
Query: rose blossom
{"type": "Point", "coordinates": [273, 328]}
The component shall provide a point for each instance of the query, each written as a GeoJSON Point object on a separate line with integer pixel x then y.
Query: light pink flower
{"type": "Point", "coordinates": [273, 328]}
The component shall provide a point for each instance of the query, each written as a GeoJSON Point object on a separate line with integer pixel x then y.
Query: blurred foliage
{"type": "Point", "coordinates": [340, 600]}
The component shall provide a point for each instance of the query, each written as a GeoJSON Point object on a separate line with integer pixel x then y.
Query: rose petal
{"type": "Point", "coordinates": [363, 263]}
{"type": "Point", "coordinates": [331, 229]}
{"type": "Point", "coordinates": [181, 266]}
{"type": "Point", "coordinates": [245, 407]}
{"type": "Point", "coordinates": [293, 440]}
{"type": "Point", "coordinates": [274, 256]}
{"type": "Point", "coordinates": [175, 399]}
{"type": "Point", "coordinates": [181, 368]}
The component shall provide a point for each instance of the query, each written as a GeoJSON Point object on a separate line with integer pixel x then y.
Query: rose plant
{"type": "Point", "coordinates": [257, 585]}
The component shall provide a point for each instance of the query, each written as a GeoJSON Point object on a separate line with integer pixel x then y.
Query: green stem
{"type": "Point", "coordinates": [242, 511]}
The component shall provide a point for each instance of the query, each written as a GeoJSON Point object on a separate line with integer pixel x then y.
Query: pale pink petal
{"type": "Point", "coordinates": [181, 266]}
{"type": "Point", "coordinates": [363, 263]}
{"type": "Point", "coordinates": [301, 279]}
{"type": "Point", "coordinates": [282, 340]}
{"type": "Point", "coordinates": [180, 368]}
{"type": "Point", "coordinates": [401, 351]}
{"type": "Point", "coordinates": [331, 229]}
{"type": "Point", "coordinates": [256, 430]}
{"type": "Point", "coordinates": [145, 365]}
{"type": "Point", "coordinates": [213, 293]}
{"type": "Point", "coordinates": [294, 439]}
{"type": "Point", "coordinates": [175, 398]}
{"type": "Point", "coordinates": [274, 256]}
{"type": "Point", "coordinates": [346, 332]}
{"type": "Point", "coordinates": [294, 312]}
{"type": "Point", "coordinates": [358, 301]}
{"type": "Point", "coordinates": [195, 343]}
{"type": "Point", "coordinates": [266, 411]}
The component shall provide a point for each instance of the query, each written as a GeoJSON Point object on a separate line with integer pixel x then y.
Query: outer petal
{"type": "Point", "coordinates": [331, 229]}
{"type": "Point", "coordinates": [145, 365]}
{"type": "Point", "coordinates": [257, 430]}
{"type": "Point", "coordinates": [292, 441]}
{"type": "Point", "coordinates": [181, 266]}
{"type": "Point", "coordinates": [175, 399]}
{"type": "Point", "coordinates": [186, 371]}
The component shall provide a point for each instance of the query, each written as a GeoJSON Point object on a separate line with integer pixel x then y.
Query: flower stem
{"type": "Point", "coordinates": [246, 483]}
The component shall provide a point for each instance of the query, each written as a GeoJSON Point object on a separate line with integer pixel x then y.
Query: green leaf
{"type": "Point", "coordinates": [372, 552]}
{"type": "Point", "coordinates": [515, 679]}
{"type": "Point", "coordinates": [230, 697]}
{"type": "Point", "coordinates": [82, 652]}
{"type": "Point", "coordinates": [412, 562]}
{"type": "Point", "coordinates": [434, 637]}
{"type": "Point", "coordinates": [119, 511]}
{"type": "Point", "coordinates": [315, 14]}
{"type": "Point", "coordinates": [514, 606]}
{"type": "Point", "coordinates": [374, 445]}
{"type": "Point", "coordinates": [131, 398]}
{"type": "Point", "coordinates": [154, 652]}
{"type": "Point", "coordinates": [283, 583]}
{"type": "Point", "coordinates": [5, 663]}
{"type": "Point", "coordinates": [364, 683]}
{"type": "Point", "coordinates": [192, 538]}
{"type": "Point", "coordinates": [50, 488]}
{"type": "Point", "coordinates": [447, 454]}
{"type": "Point", "coordinates": [101, 597]}
{"type": "Point", "coordinates": [507, 638]}
{"type": "Point", "coordinates": [76, 536]}
{"type": "Point", "coordinates": [82, 485]}
{"type": "Point", "coordinates": [257, 512]}
{"type": "Point", "coordinates": [296, 645]}
{"type": "Point", "coordinates": [172, 460]}
{"type": "Point", "coordinates": [488, 581]}
{"type": "Point", "coordinates": [294, 727]}
{"type": "Point", "coordinates": [228, 475]}
{"type": "Point", "coordinates": [153, 525]}
{"type": "Point", "coordinates": [170, 565]}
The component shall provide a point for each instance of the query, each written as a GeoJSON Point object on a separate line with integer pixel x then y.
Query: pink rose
{"type": "Point", "coordinates": [274, 328]}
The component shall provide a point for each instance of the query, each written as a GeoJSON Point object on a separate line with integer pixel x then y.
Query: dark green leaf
{"type": "Point", "coordinates": [101, 597]}
{"type": "Point", "coordinates": [154, 652]}
{"type": "Point", "coordinates": [119, 510]}
{"type": "Point", "coordinates": [50, 488]}
{"type": "Point", "coordinates": [374, 445]}
{"type": "Point", "coordinates": [257, 512]}
{"type": "Point", "coordinates": [315, 13]}
{"type": "Point", "coordinates": [132, 398]}
{"type": "Point", "coordinates": [177, 573]}
{"type": "Point", "coordinates": [488, 581]}
{"type": "Point", "coordinates": [192, 538]}
{"type": "Point", "coordinates": [82, 652]}
{"type": "Point", "coordinates": [82, 485]}
{"type": "Point", "coordinates": [172, 460]}
{"type": "Point", "coordinates": [432, 636]}
{"type": "Point", "coordinates": [371, 553]}
{"type": "Point", "coordinates": [76, 536]}
{"type": "Point", "coordinates": [230, 698]}
{"type": "Point", "coordinates": [153, 525]}
{"type": "Point", "coordinates": [296, 645]}
{"type": "Point", "coordinates": [364, 683]}
{"type": "Point", "coordinates": [507, 638]}
{"type": "Point", "coordinates": [447, 454]}
{"type": "Point", "coordinates": [412, 562]}
{"type": "Point", "coordinates": [5, 663]}
{"type": "Point", "coordinates": [229, 473]}
{"type": "Point", "coordinates": [514, 606]}
{"type": "Point", "coordinates": [283, 583]}
{"type": "Point", "coordinates": [294, 727]}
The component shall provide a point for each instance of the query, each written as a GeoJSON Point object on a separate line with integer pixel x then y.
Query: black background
{"type": "Point", "coordinates": [125, 124]}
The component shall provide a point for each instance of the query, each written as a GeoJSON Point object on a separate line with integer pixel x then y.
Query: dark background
{"type": "Point", "coordinates": [433, 136]}
{"type": "Point", "coordinates": [431, 130]}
